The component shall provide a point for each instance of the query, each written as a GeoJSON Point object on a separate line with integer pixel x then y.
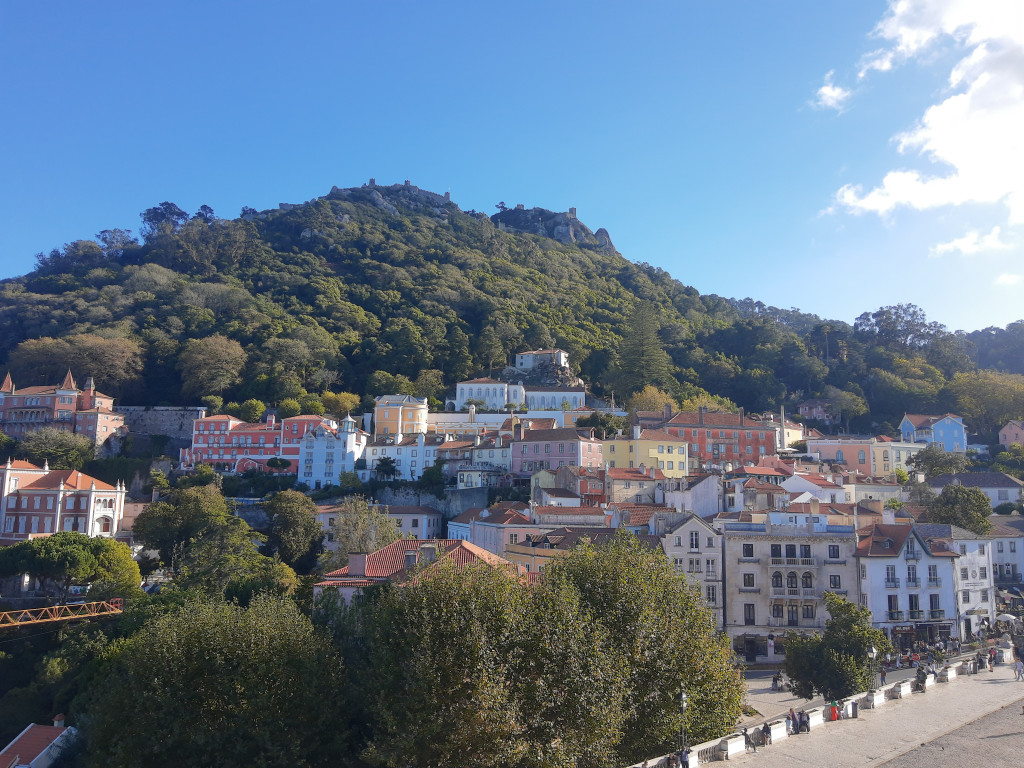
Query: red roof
{"type": "Point", "coordinates": [71, 478]}
{"type": "Point", "coordinates": [30, 743]}
{"type": "Point", "coordinates": [389, 562]}
{"type": "Point", "coordinates": [633, 473]}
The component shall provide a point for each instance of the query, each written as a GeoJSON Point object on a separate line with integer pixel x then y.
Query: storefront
{"type": "Point", "coordinates": [903, 636]}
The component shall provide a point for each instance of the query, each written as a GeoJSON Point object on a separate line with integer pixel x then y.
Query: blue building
{"type": "Point", "coordinates": [946, 431]}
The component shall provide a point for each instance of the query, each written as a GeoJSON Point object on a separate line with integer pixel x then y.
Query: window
{"type": "Point", "coordinates": [914, 602]}
{"type": "Point", "coordinates": [963, 573]}
{"type": "Point", "coordinates": [809, 611]}
{"type": "Point", "coordinates": [513, 538]}
{"type": "Point", "coordinates": [805, 550]}
{"type": "Point", "coordinates": [963, 549]}
{"type": "Point", "coordinates": [748, 550]}
{"type": "Point", "coordinates": [694, 540]}
{"type": "Point", "coordinates": [711, 542]}
{"type": "Point", "coordinates": [791, 580]}
{"type": "Point", "coordinates": [933, 572]}
{"type": "Point", "coordinates": [894, 603]}
{"type": "Point", "coordinates": [777, 611]}
{"type": "Point", "coordinates": [863, 571]}
{"type": "Point", "coordinates": [999, 547]}
{"type": "Point", "coordinates": [983, 572]}
{"type": "Point", "coordinates": [981, 550]}
{"type": "Point", "coordinates": [965, 596]}
{"type": "Point", "coordinates": [694, 566]}
{"type": "Point", "coordinates": [860, 457]}
{"type": "Point", "coordinates": [415, 522]}
{"type": "Point", "coordinates": [933, 602]}
{"type": "Point", "coordinates": [1013, 546]}
{"type": "Point", "coordinates": [835, 581]}
{"type": "Point", "coordinates": [833, 551]}
{"type": "Point", "coordinates": [748, 580]}
{"type": "Point", "coordinates": [807, 581]}
{"type": "Point", "coordinates": [777, 580]}
{"type": "Point", "coordinates": [711, 594]}
{"type": "Point", "coordinates": [679, 541]}
{"type": "Point", "coordinates": [748, 614]}
{"type": "Point", "coordinates": [776, 550]}
{"type": "Point", "coordinates": [890, 573]}
{"type": "Point", "coordinates": [984, 595]}
{"type": "Point", "coordinates": [791, 550]}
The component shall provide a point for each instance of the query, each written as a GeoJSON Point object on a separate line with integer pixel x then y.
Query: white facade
{"type": "Point", "coordinates": [495, 395]}
{"type": "Point", "coordinates": [695, 548]}
{"type": "Point", "coordinates": [908, 585]}
{"type": "Point", "coordinates": [325, 453]}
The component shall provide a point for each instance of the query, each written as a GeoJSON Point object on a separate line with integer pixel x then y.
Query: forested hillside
{"type": "Point", "coordinates": [350, 290]}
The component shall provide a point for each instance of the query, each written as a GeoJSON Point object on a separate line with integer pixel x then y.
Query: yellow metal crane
{"type": "Point", "coordinates": [30, 616]}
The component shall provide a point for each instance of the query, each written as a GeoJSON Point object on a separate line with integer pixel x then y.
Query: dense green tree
{"type": "Point", "coordinates": [933, 460]}
{"type": "Point", "coordinates": [960, 505]}
{"type": "Point", "coordinates": [666, 639]}
{"type": "Point", "coordinates": [215, 684]}
{"type": "Point", "coordinates": [642, 358]}
{"type": "Point", "coordinates": [650, 398]}
{"type": "Point", "coordinates": [288, 407]}
{"type": "Point", "coordinates": [340, 404]}
{"type": "Point", "coordinates": [295, 535]}
{"type": "Point", "coordinates": [60, 448]}
{"type": "Point", "coordinates": [605, 423]}
{"type": "Point", "coordinates": [210, 365]}
{"type": "Point", "coordinates": [67, 558]}
{"type": "Point", "coordinates": [836, 663]}
{"type": "Point", "coordinates": [169, 526]}
{"type": "Point", "coordinates": [386, 468]}
{"type": "Point", "coordinates": [252, 410]}
{"type": "Point", "coordinates": [114, 363]}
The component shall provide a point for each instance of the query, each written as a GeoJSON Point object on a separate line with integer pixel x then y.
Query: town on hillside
{"type": "Point", "coordinates": [763, 513]}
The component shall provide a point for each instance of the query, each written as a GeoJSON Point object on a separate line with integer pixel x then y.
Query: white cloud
{"type": "Point", "coordinates": [972, 136]}
{"type": "Point", "coordinates": [1008, 279]}
{"type": "Point", "coordinates": [971, 243]}
{"type": "Point", "coordinates": [831, 96]}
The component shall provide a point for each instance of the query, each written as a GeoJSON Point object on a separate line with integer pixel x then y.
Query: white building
{"type": "Point", "coordinates": [974, 580]}
{"type": "Point", "coordinates": [908, 583]}
{"type": "Point", "coordinates": [695, 548]}
{"type": "Point", "coordinates": [327, 451]}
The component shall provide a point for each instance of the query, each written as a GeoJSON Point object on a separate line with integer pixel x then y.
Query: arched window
{"type": "Point", "coordinates": [839, 456]}
{"type": "Point", "coordinates": [791, 580]}
{"type": "Point", "coordinates": [807, 581]}
{"type": "Point", "coordinates": [777, 579]}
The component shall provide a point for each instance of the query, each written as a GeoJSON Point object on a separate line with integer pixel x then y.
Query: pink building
{"type": "Point", "coordinates": [39, 500]}
{"type": "Point", "coordinates": [231, 444]}
{"type": "Point", "coordinates": [536, 449]}
{"type": "Point", "coordinates": [82, 411]}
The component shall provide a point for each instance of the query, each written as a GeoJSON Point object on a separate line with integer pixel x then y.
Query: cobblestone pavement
{"type": "Point", "coordinates": [970, 719]}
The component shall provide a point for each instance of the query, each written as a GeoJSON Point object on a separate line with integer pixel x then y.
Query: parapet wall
{"type": "Point", "coordinates": [161, 420]}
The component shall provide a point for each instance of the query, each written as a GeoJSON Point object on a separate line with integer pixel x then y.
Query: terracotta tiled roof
{"type": "Point", "coordinates": [633, 473]}
{"type": "Point", "coordinates": [71, 478]}
{"type": "Point", "coordinates": [30, 743]}
{"type": "Point", "coordinates": [544, 510]}
{"type": "Point", "coordinates": [819, 480]}
{"type": "Point", "coordinates": [389, 562]}
{"type": "Point", "coordinates": [639, 514]}
{"type": "Point", "coordinates": [562, 433]}
{"type": "Point", "coordinates": [659, 434]}
{"type": "Point", "coordinates": [712, 419]}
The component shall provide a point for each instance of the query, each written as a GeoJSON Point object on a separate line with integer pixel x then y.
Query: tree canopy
{"type": "Point", "coordinates": [963, 506]}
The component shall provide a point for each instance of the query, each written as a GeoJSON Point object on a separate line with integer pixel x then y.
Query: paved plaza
{"type": "Point", "coordinates": [973, 720]}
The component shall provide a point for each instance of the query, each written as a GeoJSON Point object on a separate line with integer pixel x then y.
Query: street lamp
{"type": "Point", "coordinates": [872, 654]}
{"type": "Point", "coordinates": [683, 701]}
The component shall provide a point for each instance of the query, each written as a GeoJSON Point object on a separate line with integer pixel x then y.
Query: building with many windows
{"type": "Point", "coordinates": [82, 411]}
{"type": "Point", "coordinates": [39, 500]}
{"type": "Point", "coordinates": [973, 580]}
{"type": "Point", "coordinates": [649, 448]}
{"type": "Point", "coordinates": [695, 548]}
{"type": "Point", "coordinates": [907, 582]}
{"type": "Point", "coordinates": [777, 567]}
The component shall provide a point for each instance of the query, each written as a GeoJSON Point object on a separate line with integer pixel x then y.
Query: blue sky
{"type": "Point", "coordinates": [833, 157]}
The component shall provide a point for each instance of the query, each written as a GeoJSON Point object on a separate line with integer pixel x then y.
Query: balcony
{"type": "Point", "coordinates": [892, 583]}
{"type": "Point", "coordinates": [748, 559]}
{"type": "Point", "coordinates": [937, 614]}
{"type": "Point", "coordinates": [914, 583]}
{"type": "Point", "coordinates": [912, 554]}
{"type": "Point", "coordinates": [835, 561]}
{"type": "Point", "coordinates": [895, 615]}
{"type": "Point", "coordinates": [1008, 578]}
{"type": "Point", "coordinates": [750, 589]}
{"type": "Point", "coordinates": [803, 562]}
{"type": "Point", "coordinates": [935, 582]}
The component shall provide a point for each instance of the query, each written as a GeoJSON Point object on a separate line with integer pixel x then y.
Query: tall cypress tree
{"type": "Point", "coordinates": [642, 358]}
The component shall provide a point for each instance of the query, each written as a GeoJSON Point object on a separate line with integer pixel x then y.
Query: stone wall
{"type": "Point", "coordinates": [176, 423]}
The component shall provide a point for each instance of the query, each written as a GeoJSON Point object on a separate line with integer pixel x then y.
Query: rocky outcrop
{"type": "Point", "coordinates": [563, 227]}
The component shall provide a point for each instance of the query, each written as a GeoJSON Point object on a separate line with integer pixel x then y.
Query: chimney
{"type": "Point", "coordinates": [651, 471]}
{"type": "Point", "coordinates": [58, 721]}
{"type": "Point", "coordinates": [741, 417]}
{"type": "Point", "coordinates": [888, 517]}
{"type": "Point", "coordinates": [700, 414]}
{"type": "Point", "coordinates": [517, 431]}
{"type": "Point", "coordinates": [875, 505]}
{"type": "Point", "coordinates": [357, 564]}
{"type": "Point", "coordinates": [270, 419]}
{"type": "Point", "coordinates": [636, 432]}
{"type": "Point", "coordinates": [668, 411]}
{"type": "Point", "coordinates": [815, 505]}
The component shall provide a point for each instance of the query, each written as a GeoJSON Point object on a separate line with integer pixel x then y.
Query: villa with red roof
{"type": "Point", "coordinates": [82, 411]}
{"type": "Point", "coordinates": [401, 561]}
{"type": "Point", "coordinates": [39, 500]}
{"type": "Point", "coordinates": [37, 746]}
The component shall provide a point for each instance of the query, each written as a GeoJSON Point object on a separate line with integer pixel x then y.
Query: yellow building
{"type": "Point", "coordinates": [650, 447]}
{"type": "Point", "coordinates": [399, 415]}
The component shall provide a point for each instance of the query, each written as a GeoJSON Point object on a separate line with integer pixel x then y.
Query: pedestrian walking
{"type": "Point", "coordinates": [881, 675]}
{"type": "Point", "coordinates": [1019, 669]}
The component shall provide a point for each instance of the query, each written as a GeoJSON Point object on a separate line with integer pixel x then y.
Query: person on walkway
{"type": "Point", "coordinates": [766, 734]}
{"type": "Point", "coordinates": [789, 724]}
{"type": "Point", "coordinates": [684, 758]}
{"type": "Point", "coordinates": [672, 762]}
{"type": "Point", "coordinates": [748, 742]}
{"type": "Point", "coordinates": [805, 722]}
{"type": "Point", "coordinates": [1018, 668]}
{"type": "Point", "coordinates": [881, 675]}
